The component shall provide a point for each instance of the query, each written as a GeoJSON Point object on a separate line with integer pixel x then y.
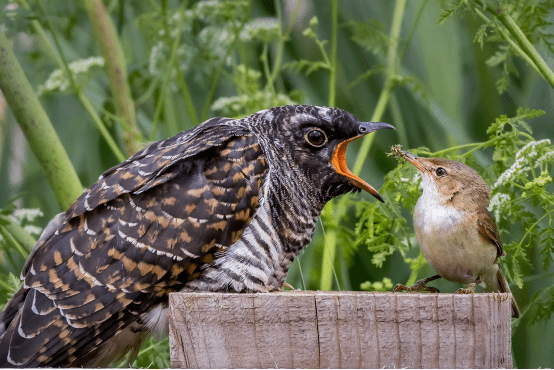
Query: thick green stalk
{"type": "Point", "coordinates": [392, 70]}
{"type": "Point", "coordinates": [333, 72]}
{"type": "Point", "coordinates": [330, 251]}
{"type": "Point", "coordinates": [506, 37]}
{"type": "Point", "coordinates": [163, 91]}
{"type": "Point", "coordinates": [330, 248]}
{"type": "Point", "coordinates": [527, 47]}
{"type": "Point", "coordinates": [111, 50]}
{"type": "Point", "coordinates": [36, 126]}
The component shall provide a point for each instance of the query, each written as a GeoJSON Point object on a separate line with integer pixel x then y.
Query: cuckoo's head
{"type": "Point", "coordinates": [312, 140]}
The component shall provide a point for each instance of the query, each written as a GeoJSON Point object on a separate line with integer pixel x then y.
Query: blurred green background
{"type": "Point", "coordinates": [188, 61]}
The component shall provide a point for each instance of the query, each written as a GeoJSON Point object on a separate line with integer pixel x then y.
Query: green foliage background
{"type": "Point", "coordinates": [450, 76]}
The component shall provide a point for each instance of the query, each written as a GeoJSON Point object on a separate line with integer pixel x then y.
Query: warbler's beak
{"type": "Point", "coordinates": [339, 158]}
{"type": "Point", "coordinates": [414, 159]}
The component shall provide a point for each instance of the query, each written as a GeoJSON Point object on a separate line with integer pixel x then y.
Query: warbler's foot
{"type": "Point", "coordinates": [469, 289]}
{"type": "Point", "coordinates": [419, 286]}
{"type": "Point", "coordinates": [415, 288]}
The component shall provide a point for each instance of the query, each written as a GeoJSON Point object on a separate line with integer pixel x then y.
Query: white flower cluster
{"type": "Point", "coordinates": [26, 214]}
{"type": "Point", "coordinates": [516, 168]}
{"type": "Point", "coordinates": [217, 38]}
{"type": "Point", "coordinates": [546, 157]}
{"type": "Point", "coordinates": [206, 8]}
{"type": "Point", "coordinates": [155, 55]}
{"type": "Point", "coordinates": [59, 81]}
{"type": "Point", "coordinates": [530, 149]}
{"type": "Point", "coordinates": [498, 201]}
{"type": "Point", "coordinates": [267, 26]}
{"type": "Point", "coordinates": [522, 163]}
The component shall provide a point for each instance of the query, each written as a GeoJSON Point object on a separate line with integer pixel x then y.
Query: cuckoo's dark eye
{"type": "Point", "coordinates": [440, 171]}
{"type": "Point", "coordinates": [316, 137]}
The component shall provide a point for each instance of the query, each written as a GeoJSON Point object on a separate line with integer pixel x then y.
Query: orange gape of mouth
{"type": "Point", "coordinates": [339, 163]}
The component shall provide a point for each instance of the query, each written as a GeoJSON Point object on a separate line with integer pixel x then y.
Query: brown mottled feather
{"type": "Point", "coordinates": [133, 237]}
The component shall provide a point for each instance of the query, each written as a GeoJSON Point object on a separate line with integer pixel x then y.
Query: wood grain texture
{"type": "Point", "coordinates": [303, 329]}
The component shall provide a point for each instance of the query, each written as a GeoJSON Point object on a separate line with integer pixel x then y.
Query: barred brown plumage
{"type": "Point", "coordinates": [225, 206]}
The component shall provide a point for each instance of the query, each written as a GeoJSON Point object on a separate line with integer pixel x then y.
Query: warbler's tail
{"type": "Point", "coordinates": [505, 288]}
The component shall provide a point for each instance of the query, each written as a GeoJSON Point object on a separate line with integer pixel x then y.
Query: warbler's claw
{"type": "Point", "coordinates": [419, 286]}
{"type": "Point", "coordinates": [469, 289]}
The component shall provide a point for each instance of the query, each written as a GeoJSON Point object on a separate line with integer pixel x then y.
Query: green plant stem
{"type": "Point", "coordinates": [526, 45]}
{"type": "Point", "coordinates": [38, 129]}
{"type": "Point", "coordinates": [265, 65]}
{"type": "Point", "coordinates": [217, 74]}
{"type": "Point", "coordinates": [330, 248]}
{"type": "Point", "coordinates": [333, 61]}
{"type": "Point", "coordinates": [186, 94]}
{"type": "Point", "coordinates": [19, 234]}
{"type": "Point", "coordinates": [509, 40]}
{"type": "Point", "coordinates": [280, 49]}
{"type": "Point", "coordinates": [59, 57]}
{"type": "Point", "coordinates": [11, 240]}
{"type": "Point", "coordinates": [163, 89]}
{"type": "Point", "coordinates": [99, 124]}
{"type": "Point", "coordinates": [392, 70]}
{"type": "Point", "coordinates": [330, 251]}
{"type": "Point", "coordinates": [331, 236]}
{"type": "Point", "coordinates": [531, 228]}
{"type": "Point", "coordinates": [112, 51]}
{"type": "Point", "coordinates": [181, 80]}
{"type": "Point", "coordinates": [477, 146]}
{"type": "Point", "coordinates": [417, 18]}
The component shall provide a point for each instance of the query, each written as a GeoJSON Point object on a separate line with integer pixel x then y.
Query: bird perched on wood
{"type": "Point", "coordinates": [456, 234]}
{"type": "Point", "coordinates": [225, 206]}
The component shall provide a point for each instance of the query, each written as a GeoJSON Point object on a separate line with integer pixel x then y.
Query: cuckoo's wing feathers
{"type": "Point", "coordinates": [106, 266]}
{"type": "Point", "coordinates": [145, 169]}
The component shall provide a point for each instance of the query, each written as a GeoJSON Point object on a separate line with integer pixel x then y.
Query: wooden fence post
{"type": "Point", "coordinates": [304, 329]}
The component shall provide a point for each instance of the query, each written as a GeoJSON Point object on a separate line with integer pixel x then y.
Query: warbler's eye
{"type": "Point", "coordinates": [440, 171]}
{"type": "Point", "coordinates": [316, 137]}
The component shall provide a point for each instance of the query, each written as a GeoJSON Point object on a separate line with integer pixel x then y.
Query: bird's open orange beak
{"type": "Point", "coordinates": [339, 157]}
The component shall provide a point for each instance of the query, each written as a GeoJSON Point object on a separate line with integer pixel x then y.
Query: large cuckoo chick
{"type": "Point", "coordinates": [223, 207]}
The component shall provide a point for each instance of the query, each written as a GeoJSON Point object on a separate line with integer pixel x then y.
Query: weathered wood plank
{"type": "Point", "coordinates": [367, 327]}
{"type": "Point", "coordinates": [428, 314]}
{"type": "Point", "coordinates": [303, 329]}
{"type": "Point", "coordinates": [349, 335]}
{"type": "Point", "coordinates": [447, 337]}
{"type": "Point", "coordinates": [409, 331]}
{"type": "Point", "coordinates": [340, 330]}
{"type": "Point", "coordinates": [387, 331]}
{"type": "Point", "coordinates": [464, 334]}
{"type": "Point", "coordinates": [329, 348]}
